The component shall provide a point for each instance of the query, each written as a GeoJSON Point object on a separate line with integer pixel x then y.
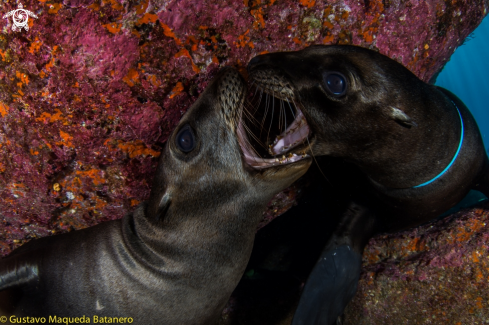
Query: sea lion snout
{"type": "Point", "coordinates": [210, 150]}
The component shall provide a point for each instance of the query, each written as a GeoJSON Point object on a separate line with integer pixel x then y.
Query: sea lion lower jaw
{"type": "Point", "coordinates": [403, 151]}
{"type": "Point", "coordinates": [175, 259]}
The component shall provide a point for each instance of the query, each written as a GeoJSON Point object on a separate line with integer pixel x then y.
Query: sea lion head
{"type": "Point", "coordinates": [207, 164]}
{"type": "Point", "coordinates": [350, 97]}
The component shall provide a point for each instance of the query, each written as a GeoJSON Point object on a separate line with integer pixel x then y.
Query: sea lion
{"type": "Point", "coordinates": [403, 152]}
{"type": "Point", "coordinates": [177, 258]}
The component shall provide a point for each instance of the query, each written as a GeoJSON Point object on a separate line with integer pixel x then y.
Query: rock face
{"type": "Point", "coordinates": [434, 274]}
{"type": "Point", "coordinates": [437, 273]}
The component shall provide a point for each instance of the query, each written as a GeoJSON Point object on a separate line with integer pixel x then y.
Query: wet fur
{"type": "Point", "coordinates": [393, 132]}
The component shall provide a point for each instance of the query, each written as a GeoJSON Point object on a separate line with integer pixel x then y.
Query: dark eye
{"type": "Point", "coordinates": [185, 139]}
{"type": "Point", "coordinates": [336, 83]}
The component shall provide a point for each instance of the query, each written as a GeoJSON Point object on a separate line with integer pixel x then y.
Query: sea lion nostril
{"type": "Point", "coordinates": [254, 61]}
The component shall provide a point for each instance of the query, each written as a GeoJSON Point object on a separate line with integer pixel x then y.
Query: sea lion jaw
{"type": "Point", "coordinates": [221, 159]}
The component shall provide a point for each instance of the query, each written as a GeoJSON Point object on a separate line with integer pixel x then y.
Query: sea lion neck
{"type": "Point", "coordinates": [227, 228]}
{"type": "Point", "coordinates": [401, 160]}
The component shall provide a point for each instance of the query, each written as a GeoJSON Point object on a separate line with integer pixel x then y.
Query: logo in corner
{"type": "Point", "coordinates": [20, 17]}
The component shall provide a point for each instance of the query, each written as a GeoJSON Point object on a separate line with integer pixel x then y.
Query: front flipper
{"type": "Point", "coordinates": [17, 271]}
{"type": "Point", "coordinates": [330, 286]}
{"type": "Point", "coordinates": [333, 281]}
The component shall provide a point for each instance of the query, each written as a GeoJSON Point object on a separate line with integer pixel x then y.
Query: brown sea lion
{"type": "Point", "coordinates": [399, 150]}
{"type": "Point", "coordinates": [177, 258]}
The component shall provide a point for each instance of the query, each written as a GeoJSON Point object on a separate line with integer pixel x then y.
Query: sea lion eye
{"type": "Point", "coordinates": [185, 139]}
{"type": "Point", "coordinates": [336, 83]}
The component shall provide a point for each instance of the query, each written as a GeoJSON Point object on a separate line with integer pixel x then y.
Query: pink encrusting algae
{"type": "Point", "coordinates": [434, 274]}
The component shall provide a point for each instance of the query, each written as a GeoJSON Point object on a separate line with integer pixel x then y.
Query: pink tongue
{"type": "Point", "coordinates": [293, 136]}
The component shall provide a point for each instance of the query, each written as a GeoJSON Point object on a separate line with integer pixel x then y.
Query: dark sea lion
{"type": "Point", "coordinates": [177, 258]}
{"type": "Point", "coordinates": [400, 152]}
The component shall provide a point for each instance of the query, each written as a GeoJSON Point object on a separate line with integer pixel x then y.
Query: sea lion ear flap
{"type": "Point", "coordinates": [164, 205]}
{"type": "Point", "coordinates": [400, 117]}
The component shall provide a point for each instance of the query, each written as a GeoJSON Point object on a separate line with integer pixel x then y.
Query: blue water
{"type": "Point", "coordinates": [467, 76]}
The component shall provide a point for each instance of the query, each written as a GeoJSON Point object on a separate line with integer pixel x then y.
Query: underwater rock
{"type": "Point", "coordinates": [90, 93]}
{"type": "Point", "coordinates": [437, 273]}
{"type": "Point", "coordinates": [434, 274]}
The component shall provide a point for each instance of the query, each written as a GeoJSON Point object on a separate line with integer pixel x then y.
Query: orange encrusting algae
{"type": "Point", "coordinates": [184, 52]}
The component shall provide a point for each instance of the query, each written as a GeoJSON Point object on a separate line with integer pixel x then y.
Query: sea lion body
{"type": "Point", "coordinates": [175, 259]}
{"type": "Point", "coordinates": [403, 152]}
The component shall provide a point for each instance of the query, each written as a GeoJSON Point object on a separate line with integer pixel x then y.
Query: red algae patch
{"type": "Point", "coordinates": [413, 276]}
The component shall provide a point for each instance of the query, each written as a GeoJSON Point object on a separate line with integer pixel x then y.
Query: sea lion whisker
{"type": "Point", "coordinates": [291, 109]}
{"type": "Point", "coordinates": [271, 120]}
{"type": "Point", "coordinates": [317, 164]}
{"type": "Point", "coordinates": [250, 118]}
{"type": "Point", "coordinates": [258, 105]}
{"type": "Point", "coordinates": [249, 114]}
{"type": "Point", "coordinates": [282, 109]}
{"type": "Point", "coordinates": [256, 89]}
{"type": "Point", "coordinates": [254, 137]}
{"type": "Point", "coordinates": [266, 110]}
{"type": "Point", "coordinates": [279, 115]}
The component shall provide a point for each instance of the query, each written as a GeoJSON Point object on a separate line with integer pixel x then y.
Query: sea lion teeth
{"type": "Point", "coordinates": [383, 129]}
{"type": "Point", "coordinates": [178, 257]}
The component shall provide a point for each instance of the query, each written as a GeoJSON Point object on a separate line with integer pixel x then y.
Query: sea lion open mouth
{"type": "Point", "coordinates": [273, 129]}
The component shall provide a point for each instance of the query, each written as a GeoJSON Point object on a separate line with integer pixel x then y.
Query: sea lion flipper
{"type": "Point", "coordinates": [17, 271]}
{"type": "Point", "coordinates": [330, 286]}
{"type": "Point", "coordinates": [333, 281]}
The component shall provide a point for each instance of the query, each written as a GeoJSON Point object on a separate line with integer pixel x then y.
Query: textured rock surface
{"type": "Point", "coordinates": [437, 273]}
{"type": "Point", "coordinates": [434, 274]}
